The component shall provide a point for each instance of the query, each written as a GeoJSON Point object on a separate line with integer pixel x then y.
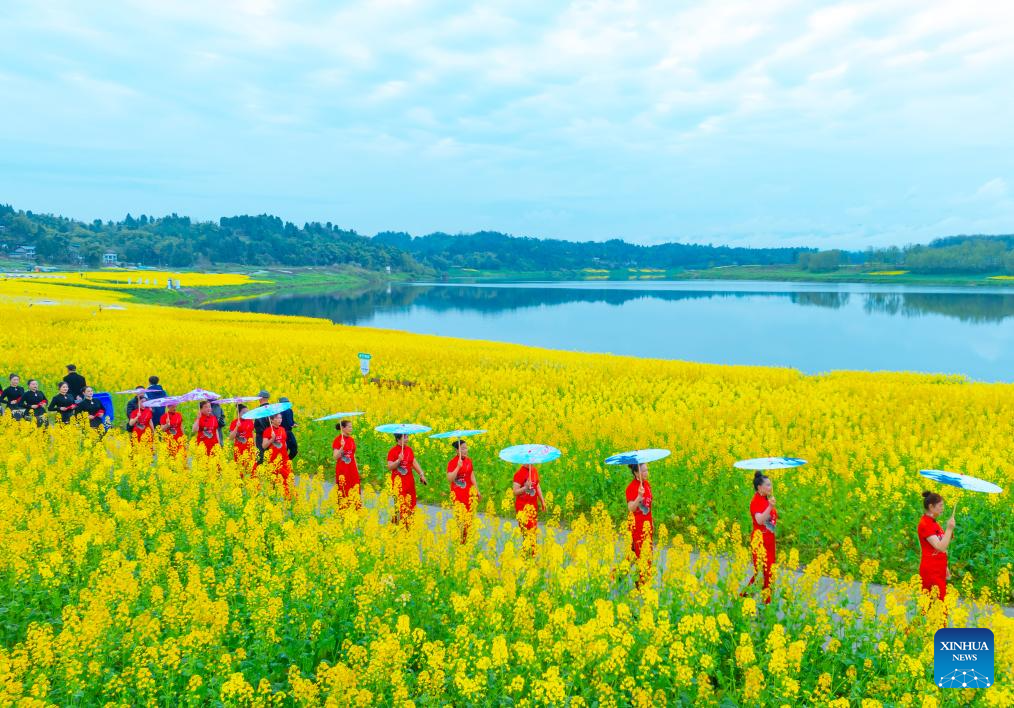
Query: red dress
{"type": "Point", "coordinates": [464, 482]}
{"type": "Point", "coordinates": [279, 454]}
{"type": "Point", "coordinates": [140, 419]}
{"type": "Point", "coordinates": [207, 432]}
{"type": "Point", "coordinates": [933, 566]}
{"type": "Point", "coordinates": [244, 430]}
{"type": "Point", "coordinates": [526, 504]}
{"type": "Point", "coordinates": [642, 524]}
{"type": "Point", "coordinates": [403, 478]}
{"type": "Point", "coordinates": [346, 471]}
{"type": "Point", "coordinates": [174, 431]}
{"type": "Point", "coordinates": [758, 505]}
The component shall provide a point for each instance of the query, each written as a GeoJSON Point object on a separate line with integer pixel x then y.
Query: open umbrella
{"type": "Point", "coordinates": [529, 454]}
{"type": "Point", "coordinates": [163, 402]}
{"type": "Point", "coordinates": [200, 394]}
{"type": "Point", "coordinates": [235, 399]}
{"type": "Point", "coordinates": [266, 411]}
{"type": "Point", "coordinates": [769, 463]}
{"type": "Point", "coordinates": [336, 416]}
{"type": "Point", "coordinates": [962, 481]}
{"type": "Point", "coordinates": [402, 428]}
{"type": "Point", "coordinates": [637, 457]}
{"type": "Point", "coordinates": [457, 434]}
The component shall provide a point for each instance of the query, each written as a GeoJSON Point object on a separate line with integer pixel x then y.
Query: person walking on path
{"type": "Point", "coordinates": [402, 464]}
{"type": "Point", "coordinates": [933, 544]}
{"type": "Point", "coordinates": [346, 470]}
{"type": "Point", "coordinates": [639, 503]}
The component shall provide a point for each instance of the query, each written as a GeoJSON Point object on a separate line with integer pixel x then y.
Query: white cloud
{"type": "Point", "coordinates": [758, 119]}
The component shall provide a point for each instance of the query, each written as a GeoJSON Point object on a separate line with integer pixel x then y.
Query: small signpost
{"type": "Point", "coordinates": [364, 363]}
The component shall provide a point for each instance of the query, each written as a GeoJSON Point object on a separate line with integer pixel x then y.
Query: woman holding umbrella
{"type": "Point", "coordinates": [63, 403]}
{"type": "Point", "coordinates": [206, 428]}
{"type": "Point", "coordinates": [346, 471]}
{"type": "Point", "coordinates": [401, 462]}
{"type": "Point", "coordinates": [241, 432]}
{"type": "Point", "coordinates": [171, 425]}
{"type": "Point", "coordinates": [528, 497]}
{"type": "Point", "coordinates": [764, 516]}
{"type": "Point", "coordinates": [639, 505]}
{"type": "Point", "coordinates": [464, 490]}
{"type": "Point", "coordinates": [275, 439]}
{"type": "Point", "coordinates": [933, 542]}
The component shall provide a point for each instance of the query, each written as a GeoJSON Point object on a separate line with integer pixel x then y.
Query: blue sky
{"type": "Point", "coordinates": [762, 122]}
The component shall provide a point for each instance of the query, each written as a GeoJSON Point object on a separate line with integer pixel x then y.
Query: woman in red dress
{"type": "Point", "coordinates": [401, 462]}
{"type": "Point", "coordinates": [140, 424]}
{"type": "Point", "coordinates": [346, 470]}
{"type": "Point", "coordinates": [206, 428]}
{"type": "Point", "coordinates": [933, 542]}
{"type": "Point", "coordinates": [642, 525]}
{"type": "Point", "coordinates": [527, 500]}
{"type": "Point", "coordinates": [464, 490]}
{"type": "Point", "coordinates": [762, 540]}
{"type": "Point", "coordinates": [171, 425]}
{"type": "Point", "coordinates": [241, 432]}
{"type": "Point", "coordinates": [275, 440]}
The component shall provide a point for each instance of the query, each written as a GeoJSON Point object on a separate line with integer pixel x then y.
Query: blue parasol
{"type": "Point", "coordinates": [457, 434]}
{"type": "Point", "coordinates": [529, 454]}
{"type": "Point", "coordinates": [637, 457]}
{"type": "Point", "coordinates": [962, 481]}
{"type": "Point", "coordinates": [266, 411]}
{"type": "Point", "coordinates": [769, 463]}
{"type": "Point", "coordinates": [335, 416]}
{"type": "Point", "coordinates": [402, 428]}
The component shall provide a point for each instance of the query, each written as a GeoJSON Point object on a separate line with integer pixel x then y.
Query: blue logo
{"type": "Point", "coordinates": [963, 658]}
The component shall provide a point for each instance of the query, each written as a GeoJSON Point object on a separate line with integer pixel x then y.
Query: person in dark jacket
{"type": "Point", "coordinates": [63, 403]}
{"type": "Point", "coordinates": [75, 382]}
{"type": "Point", "coordinates": [260, 425]}
{"type": "Point", "coordinates": [12, 397]}
{"type": "Point", "coordinates": [91, 408]}
{"type": "Point", "coordinates": [154, 391]}
{"type": "Point", "coordinates": [289, 422]}
{"type": "Point", "coordinates": [216, 410]}
{"type": "Point", "coordinates": [35, 404]}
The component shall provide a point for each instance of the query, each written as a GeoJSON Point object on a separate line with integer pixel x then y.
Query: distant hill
{"type": "Point", "coordinates": [491, 250]}
{"type": "Point", "coordinates": [178, 242]}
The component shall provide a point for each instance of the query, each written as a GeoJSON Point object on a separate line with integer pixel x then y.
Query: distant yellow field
{"type": "Point", "coordinates": [888, 272]}
{"type": "Point", "coordinates": [138, 279]}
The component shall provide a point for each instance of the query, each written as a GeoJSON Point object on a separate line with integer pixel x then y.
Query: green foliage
{"type": "Point", "coordinates": [178, 242]}
{"type": "Point", "coordinates": [822, 261]}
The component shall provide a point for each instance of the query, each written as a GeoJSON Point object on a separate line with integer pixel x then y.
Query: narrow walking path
{"type": "Point", "coordinates": [829, 590]}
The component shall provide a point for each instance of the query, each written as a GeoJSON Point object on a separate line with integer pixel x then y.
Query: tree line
{"type": "Point", "coordinates": [175, 241]}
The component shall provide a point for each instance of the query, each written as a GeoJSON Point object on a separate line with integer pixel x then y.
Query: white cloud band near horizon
{"type": "Point", "coordinates": [771, 122]}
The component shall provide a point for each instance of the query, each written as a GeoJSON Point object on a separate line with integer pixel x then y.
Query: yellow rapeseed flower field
{"type": "Point", "coordinates": [134, 583]}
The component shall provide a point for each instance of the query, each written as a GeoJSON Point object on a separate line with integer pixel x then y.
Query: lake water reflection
{"type": "Point", "coordinates": [812, 327]}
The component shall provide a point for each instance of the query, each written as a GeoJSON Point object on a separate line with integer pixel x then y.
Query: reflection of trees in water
{"type": "Point", "coordinates": [833, 301]}
{"type": "Point", "coordinates": [351, 308]}
{"type": "Point", "coordinates": [971, 307]}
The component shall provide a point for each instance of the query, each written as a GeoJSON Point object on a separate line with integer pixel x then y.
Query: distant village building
{"type": "Point", "coordinates": [109, 259]}
{"type": "Point", "coordinates": [24, 252]}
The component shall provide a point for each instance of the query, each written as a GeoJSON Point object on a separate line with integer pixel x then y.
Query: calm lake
{"type": "Point", "coordinates": [811, 327]}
